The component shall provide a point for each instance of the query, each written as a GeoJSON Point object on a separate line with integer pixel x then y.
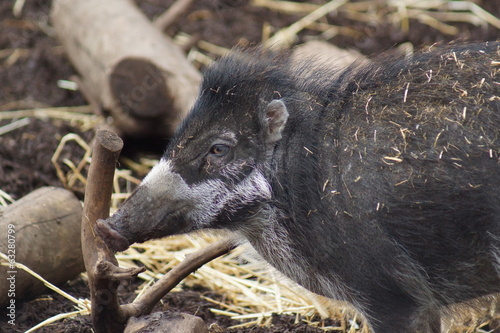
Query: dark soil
{"type": "Point", "coordinates": [29, 81]}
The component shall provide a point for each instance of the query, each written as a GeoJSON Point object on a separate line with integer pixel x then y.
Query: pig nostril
{"type": "Point", "coordinates": [112, 238]}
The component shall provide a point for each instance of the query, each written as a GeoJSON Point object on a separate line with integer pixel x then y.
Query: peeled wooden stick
{"type": "Point", "coordinates": [101, 265]}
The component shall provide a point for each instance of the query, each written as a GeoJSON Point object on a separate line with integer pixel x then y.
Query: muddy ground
{"type": "Point", "coordinates": [32, 61]}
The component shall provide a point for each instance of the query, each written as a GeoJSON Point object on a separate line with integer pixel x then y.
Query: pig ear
{"type": "Point", "coordinates": [276, 115]}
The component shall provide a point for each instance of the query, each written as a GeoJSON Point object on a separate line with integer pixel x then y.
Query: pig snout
{"type": "Point", "coordinates": [122, 228]}
{"type": "Point", "coordinates": [154, 210]}
{"type": "Point", "coordinates": [111, 237]}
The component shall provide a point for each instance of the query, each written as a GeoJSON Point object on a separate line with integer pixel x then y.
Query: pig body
{"type": "Point", "coordinates": [378, 184]}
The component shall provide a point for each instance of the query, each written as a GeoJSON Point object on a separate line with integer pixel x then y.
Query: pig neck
{"type": "Point", "coordinates": [274, 242]}
{"type": "Point", "coordinates": [295, 232]}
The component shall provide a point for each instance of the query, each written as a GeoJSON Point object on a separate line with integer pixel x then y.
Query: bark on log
{"type": "Point", "coordinates": [42, 231]}
{"type": "Point", "coordinates": [327, 54]}
{"type": "Point", "coordinates": [161, 322]}
{"type": "Point", "coordinates": [137, 74]}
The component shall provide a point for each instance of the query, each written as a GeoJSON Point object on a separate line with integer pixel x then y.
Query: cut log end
{"type": "Point", "coordinates": [140, 89]}
{"type": "Point", "coordinates": [109, 141]}
{"type": "Point", "coordinates": [129, 69]}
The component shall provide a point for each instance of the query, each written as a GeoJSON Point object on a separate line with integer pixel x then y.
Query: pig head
{"type": "Point", "coordinates": [213, 182]}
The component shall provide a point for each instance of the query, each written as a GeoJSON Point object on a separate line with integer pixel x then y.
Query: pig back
{"type": "Point", "coordinates": [411, 158]}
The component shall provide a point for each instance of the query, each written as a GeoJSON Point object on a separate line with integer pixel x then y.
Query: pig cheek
{"type": "Point", "coordinates": [170, 224]}
{"type": "Point", "coordinates": [218, 203]}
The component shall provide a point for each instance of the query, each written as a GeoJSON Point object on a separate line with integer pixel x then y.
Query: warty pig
{"type": "Point", "coordinates": [378, 184]}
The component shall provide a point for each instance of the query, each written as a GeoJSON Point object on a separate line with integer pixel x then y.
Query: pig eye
{"type": "Point", "coordinates": [219, 150]}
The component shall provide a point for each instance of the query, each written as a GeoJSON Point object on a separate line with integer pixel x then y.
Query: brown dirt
{"type": "Point", "coordinates": [29, 81]}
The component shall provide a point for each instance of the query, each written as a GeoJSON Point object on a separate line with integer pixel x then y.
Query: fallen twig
{"type": "Point", "coordinates": [170, 16]}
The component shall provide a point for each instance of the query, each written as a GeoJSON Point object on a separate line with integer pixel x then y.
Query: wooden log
{"type": "Point", "coordinates": [135, 72]}
{"type": "Point", "coordinates": [42, 231]}
{"type": "Point", "coordinates": [327, 54]}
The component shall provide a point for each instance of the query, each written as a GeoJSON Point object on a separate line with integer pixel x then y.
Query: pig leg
{"type": "Point", "coordinates": [398, 322]}
{"type": "Point", "coordinates": [428, 321]}
{"type": "Point", "coordinates": [396, 313]}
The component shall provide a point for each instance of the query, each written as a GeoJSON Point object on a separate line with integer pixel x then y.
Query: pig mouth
{"type": "Point", "coordinates": [113, 239]}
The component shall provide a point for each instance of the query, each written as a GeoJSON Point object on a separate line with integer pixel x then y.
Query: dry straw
{"type": "Point", "coordinates": [82, 305]}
